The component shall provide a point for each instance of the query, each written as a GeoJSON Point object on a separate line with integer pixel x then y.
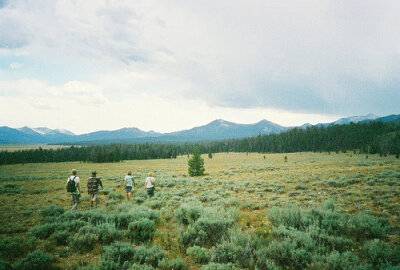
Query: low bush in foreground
{"type": "Point", "coordinates": [37, 260]}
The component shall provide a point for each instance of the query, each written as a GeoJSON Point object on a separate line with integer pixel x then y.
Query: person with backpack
{"type": "Point", "coordinates": [150, 185]}
{"type": "Point", "coordinates": [74, 189]}
{"type": "Point", "coordinates": [93, 188]}
{"type": "Point", "coordinates": [129, 180]}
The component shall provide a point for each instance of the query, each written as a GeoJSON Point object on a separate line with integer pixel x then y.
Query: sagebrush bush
{"type": "Point", "coordinates": [83, 242]}
{"type": "Point", "coordinates": [4, 265]}
{"type": "Point", "coordinates": [205, 231]}
{"type": "Point", "coordinates": [37, 260]}
{"type": "Point", "coordinates": [13, 247]}
{"type": "Point", "coordinates": [141, 267]}
{"type": "Point", "coordinates": [188, 213]}
{"type": "Point", "coordinates": [151, 256]}
{"type": "Point", "coordinates": [290, 217]}
{"type": "Point", "coordinates": [142, 230]}
{"type": "Point", "coordinates": [224, 253]}
{"type": "Point", "coordinates": [366, 226]}
{"type": "Point", "coordinates": [171, 264]}
{"type": "Point", "coordinates": [118, 253]}
{"type": "Point", "coordinates": [230, 252]}
{"type": "Point", "coordinates": [219, 266]}
{"type": "Point", "coordinates": [198, 254]}
{"type": "Point", "coordinates": [379, 253]}
{"type": "Point", "coordinates": [109, 234]}
{"type": "Point", "coordinates": [61, 237]}
{"type": "Point", "coordinates": [43, 231]}
{"type": "Point", "coordinates": [286, 253]}
{"type": "Point", "coordinates": [52, 210]}
{"type": "Point", "coordinates": [346, 260]}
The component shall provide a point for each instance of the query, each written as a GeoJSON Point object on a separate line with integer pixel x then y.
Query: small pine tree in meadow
{"type": "Point", "coordinates": [196, 164]}
{"type": "Point", "coordinates": [210, 155]}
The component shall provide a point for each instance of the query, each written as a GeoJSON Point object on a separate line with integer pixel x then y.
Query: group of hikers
{"type": "Point", "coordinates": [94, 182]}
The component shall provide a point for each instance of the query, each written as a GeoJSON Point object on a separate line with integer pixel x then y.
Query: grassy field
{"type": "Point", "coordinates": [306, 211]}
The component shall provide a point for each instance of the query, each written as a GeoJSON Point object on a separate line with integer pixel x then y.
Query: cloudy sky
{"type": "Point", "coordinates": [171, 65]}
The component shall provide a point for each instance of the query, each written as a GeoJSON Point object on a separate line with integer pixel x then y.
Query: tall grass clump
{"type": "Point", "coordinates": [142, 230]}
{"type": "Point", "coordinates": [37, 260]}
{"type": "Point", "coordinates": [206, 231]}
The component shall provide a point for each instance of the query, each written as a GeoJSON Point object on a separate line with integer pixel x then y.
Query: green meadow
{"type": "Point", "coordinates": [250, 211]}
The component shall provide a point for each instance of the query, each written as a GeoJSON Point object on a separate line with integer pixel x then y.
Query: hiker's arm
{"type": "Point", "coordinates": [124, 183]}
{"type": "Point", "coordinates": [79, 189]}
{"type": "Point", "coordinates": [145, 185]}
{"type": "Point", "coordinates": [101, 184]}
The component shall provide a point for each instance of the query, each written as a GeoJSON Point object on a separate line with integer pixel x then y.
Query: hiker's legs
{"type": "Point", "coordinates": [74, 201]}
{"type": "Point", "coordinates": [93, 199]}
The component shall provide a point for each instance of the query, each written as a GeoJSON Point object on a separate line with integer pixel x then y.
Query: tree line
{"type": "Point", "coordinates": [373, 137]}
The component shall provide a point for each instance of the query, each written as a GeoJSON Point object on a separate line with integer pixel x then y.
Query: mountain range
{"type": "Point", "coordinates": [215, 130]}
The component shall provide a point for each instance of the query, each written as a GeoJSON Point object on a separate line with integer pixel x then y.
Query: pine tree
{"type": "Point", "coordinates": [210, 155]}
{"type": "Point", "coordinates": [196, 164]}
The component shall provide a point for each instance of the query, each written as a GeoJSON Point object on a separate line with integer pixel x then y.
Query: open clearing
{"type": "Point", "coordinates": [244, 187]}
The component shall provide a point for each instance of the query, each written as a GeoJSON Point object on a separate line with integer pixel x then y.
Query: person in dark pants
{"type": "Point", "coordinates": [150, 185]}
{"type": "Point", "coordinates": [93, 189]}
{"type": "Point", "coordinates": [76, 192]}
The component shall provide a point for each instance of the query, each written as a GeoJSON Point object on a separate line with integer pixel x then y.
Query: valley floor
{"type": "Point", "coordinates": [264, 199]}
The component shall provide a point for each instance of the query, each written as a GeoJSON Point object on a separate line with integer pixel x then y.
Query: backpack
{"type": "Point", "coordinates": [71, 187]}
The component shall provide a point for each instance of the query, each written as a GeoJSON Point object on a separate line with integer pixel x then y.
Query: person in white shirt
{"type": "Point", "coordinates": [150, 184]}
{"type": "Point", "coordinates": [77, 193]}
{"type": "Point", "coordinates": [129, 180]}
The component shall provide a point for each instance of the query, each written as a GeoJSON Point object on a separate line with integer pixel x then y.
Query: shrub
{"type": "Point", "coordinates": [97, 217]}
{"type": "Point", "coordinates": [174, 264]}
{"type": "Point", "coordinates": [346, 260]}
{"type": "Point", "coordinates": [122, 220]}
{"type": "Point", "coordinates": [141, 267]}
{"type": "Point", "coordinates": [285, 253]}
{"type": "Point", "coordinates": [290, 217]}
{"type": "Point", "coordinates": [219, 266]}
{"type": "Point", "coordinates": [37, 260]}
{"type": "Point", "coordinates": [198, 254]}
{"type": "Point", "coordinates": [61, 237]}
{"type": "Point", "coordinates": [83, 242]}
{"type": "Point", "coordinates": [141, 230]}
{"type": "Point", "coordinates": [205, 231]}
{"type": "Point", "coordinates": [363, 225]}
{"type": "Point", "coordinates": [43, 231]}
{"type": "Point", "coordinates": [108, 233]}
{"type": "Point", "coordinates": [378, 252]}
{"type": "Point", "coordinates": [223, 253]}
{"type": "Point", "coordinates": [4, 265]}
{"type": "Point", "coordinates": [52, 210]}
{"type": "Point", "coordinates": [151, 256]}
{"type": "Point", "coordinates": [264, 263]}
{"type": "Point", "coordinates": [109, 265]}
{"type": "Point", "coordinates": [118, 253]}
{"type": "Point", "coordinates": [188, 213]}
{"type": "Point", "coordinates": [13, 247]}
{"type": "Point", "coordinates": [115, 196]}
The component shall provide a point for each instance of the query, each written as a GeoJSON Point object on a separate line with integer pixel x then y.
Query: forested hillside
{"type": "Point", "coordinates": [374, 137]}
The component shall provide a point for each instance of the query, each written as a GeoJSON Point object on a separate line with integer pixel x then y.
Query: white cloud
{"type": "Point", "coordinates": [16, 65]}
{"type": "Point", "coordinates": [42, 95]}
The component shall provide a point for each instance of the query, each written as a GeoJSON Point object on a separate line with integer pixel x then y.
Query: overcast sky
{"type": "Point", "coordinates": [172, 65]}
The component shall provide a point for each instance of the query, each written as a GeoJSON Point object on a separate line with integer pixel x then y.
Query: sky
{"type": "Point", "coordinates": [172, 65]}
